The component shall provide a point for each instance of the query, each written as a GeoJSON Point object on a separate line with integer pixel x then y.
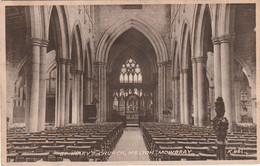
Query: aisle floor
{"type": "Point", "coordinates": [130, 147]}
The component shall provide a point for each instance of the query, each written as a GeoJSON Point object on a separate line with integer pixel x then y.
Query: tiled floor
{"type": "Point", "coordinates": [130, 147]}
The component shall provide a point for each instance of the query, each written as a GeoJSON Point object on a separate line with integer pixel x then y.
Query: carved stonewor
{"type": "Point", "coordinates": [220, 125]}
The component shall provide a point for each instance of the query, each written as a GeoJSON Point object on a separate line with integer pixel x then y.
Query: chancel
{"type": "Point", "coordinates": [131, 82]}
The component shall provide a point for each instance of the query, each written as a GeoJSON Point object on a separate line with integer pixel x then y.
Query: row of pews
{"type": "Point", "coordinates": [185, 142]}
{"type": "Point", "coordinates": [86, 142]}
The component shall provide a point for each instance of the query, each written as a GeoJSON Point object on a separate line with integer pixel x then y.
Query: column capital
{"type": "Point", "coordinates": [185, 71]}
{"type": "Point", "coordinates": [215, 40]}
{"type": "Point", "coordinates": [68, 62]}
{"type": "Point", "coordinates": [78, 72]}
{"type": "Point", "coordinates": [162, 64]}
{"type": "Point", "coordinates": [176, 78]}
{"type": "Point", "coordinates": [193, 60]}
{"type": "Point", "coordinates": [200, 59]}
{"type": "Point", "coordinates": [62, 60]}
{"type": "Point", "coordinates": [225, 38]}
{"type": "Point", "coordinates": [44, 43]}
{"type": "Point", "coordinates": [100, 63]}
{"type": "Point", "coordinates": [89, 78]}
{"type": "Point", "coordinates": [36, 41]}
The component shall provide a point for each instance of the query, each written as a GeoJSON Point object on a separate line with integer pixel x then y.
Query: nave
{"type": "Point", "coordinates": [83, 82]}
{"type": "Point", "coordinates": [112, 142]}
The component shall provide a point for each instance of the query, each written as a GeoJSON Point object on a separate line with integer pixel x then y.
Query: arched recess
{"type": "Point", "coordinates": [186, 92]}
{"type": "Point", "coordinates": [20, 97]}
{"type": "Point", "coordinates": [77, 82]}
{"type": "Point", "coordinates": [88, 75]}
{"type": "Point", "coordinates": [132, 57]}
{"type": "Point", "coordinates": [58, 36]}
{"type": "Point", "coordinates": [104, 47]}
{"type": "Point", "coordinates": [243, 50]}
{"type": "Point", "coordinates": [201, 45]}
{"type": "Point", "coordinates": [123, 25]}
{"type": "Point", "coordinates": [176, 78]}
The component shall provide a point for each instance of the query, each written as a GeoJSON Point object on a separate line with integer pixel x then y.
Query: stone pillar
{"type": "Point", "coordinates": [62, 63]}
{"type": "Point", "coordinates": [81, 96]}
{"type": "Point", "coordinates": [173, 98]}
{"type": "Point", "coordinates": [57, 99]}
{"type": "Point", "coordinates": [78, 97]}
{"type": "Point", "coordinates": [28, 97]}
{"type": "Point", "coordinates": [160, 92]}
{"type": "Point", "coordinates": [212, 101]}
{"type": "Point", "coordinates": [101, 110]}
{"type": "Point", "coordinates": [237, 99]}
{"type": "Point", "coordinates": [42, 87]}
{"type": "Point", "coordinates": [201, 90]}
{"type": "Point", "coordinates": [74, 118]}
{"type": "Point", "coordinates": [226, 78]}
{"type": "Point", "coordinates": [177, 98]}
{"type": "Point", "coordinates": [35, 82]}
{"type": "Point", "coordinates": [181, 98]}
{"type": "Point", "coordinates": [104, 92]}
{"type": "Point", "coordinates": [217, 68]}
{"type": "Point", "coordinates": [195, 91]}
{"type": "Point", "coordinates": [67, 93]}
{"type": "Point", "coordinates": [254, 112]}
{"type": "Point", "coordinates": [86, 89]}
{"type": "Point", "coordinates": [186, 115]}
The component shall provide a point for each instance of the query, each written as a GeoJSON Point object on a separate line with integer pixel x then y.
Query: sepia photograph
{"type": "Point", "coordinates": [129, 82]}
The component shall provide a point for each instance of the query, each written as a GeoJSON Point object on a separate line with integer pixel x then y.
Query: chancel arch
{"type": "Point", "coordinates": [104, 48]}
{"type": "Point", "coordinates": [132, 79]}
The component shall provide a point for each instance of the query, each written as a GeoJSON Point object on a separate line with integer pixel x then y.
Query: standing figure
{"type": "Point", "coordinates": [220, 125]}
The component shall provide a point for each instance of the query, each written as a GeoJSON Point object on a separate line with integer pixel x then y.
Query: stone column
{"type": "Point", "coordinates": [78, 96]}
{"type": "Point", "coordinates": [186, 110]}
{"type": "Point", "coordinates": [237, 99]}
{"type": "Point", "coordinates": [62, 90]}
{"type": "Point", "coordinates": [201, 90]}
{"type": "Point", "coordinates": [57, 99]}
{"type": "Point", "coordinates": [42, 87]}
{"type": "Point", "coordinates": [195, 91]}
{"type": "Point", "coordinates": [177, 98]}
{"type": "Point", "coordinates": [101, 112]}
{"type": "Point", "coordinates": [173, 98]}
{"type": "Point", "coordinates": [160, 92]}
{"type": "Point", "coordinates": [86, 89]}
{"type": "Point", "coordinates": [104, 78]}
{"type": "Point", "coordinates": [254, 112]}
{"type": "Point", "coordinates": [226, 78]}
{"type": "Point", "coordinates": [217, 68]}
{"type": "Point", "coordinates": [74, 118]}
{"type": "Point", "coordinates": [212, 101]}
{"type": "Point", "coordinates": [35, 82]}
{"type": "Point", "coordinates": [28, 93]}
{"type": "Point", "coordinates": [181, 98]}
{"type": "Point", "coordinates": [81, 96]}
{"type": "Point", "coordinates": [67, 93]}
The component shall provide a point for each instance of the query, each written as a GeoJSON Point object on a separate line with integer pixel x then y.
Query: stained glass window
{"type": "Point", "coordinates": [130, 72]}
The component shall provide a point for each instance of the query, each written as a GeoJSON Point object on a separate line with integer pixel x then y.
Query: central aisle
{"type": "Point", "coordinates": [130, 147]}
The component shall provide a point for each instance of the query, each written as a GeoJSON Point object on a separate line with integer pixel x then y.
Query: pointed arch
{"type": "Point", "coordinates": [77, 47]}
{"type": "Point", "coordinates": [123, 25]}
{"type": "Point", "coordinates": [88, 59]}
{"type": "Point", "coordinates": [61, 31]}
{"type": "Point", "coordinates": [185, 45]}
{"type": "Point", "coordinates": [198, 29]}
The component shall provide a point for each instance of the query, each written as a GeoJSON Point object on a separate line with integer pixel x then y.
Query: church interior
{"type": "Point", "coordinates": [131, 82]}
